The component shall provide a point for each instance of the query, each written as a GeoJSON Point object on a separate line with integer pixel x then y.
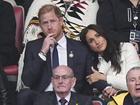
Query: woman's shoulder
{"type": "Point", "coordinates": [126, 44]}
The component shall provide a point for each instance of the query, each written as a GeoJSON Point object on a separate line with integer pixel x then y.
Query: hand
{"type": "Point", "coordinates": [109, 91]}
{"type": "Point", "coordinates": [48, 41]}
{"type": "Point", "coordinates": [95, 76]}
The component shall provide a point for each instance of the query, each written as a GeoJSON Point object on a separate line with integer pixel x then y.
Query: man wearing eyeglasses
{"type": "Point", "coordinates": [39, 57]}
{"type": "Point", "coordinates": [63, 81]}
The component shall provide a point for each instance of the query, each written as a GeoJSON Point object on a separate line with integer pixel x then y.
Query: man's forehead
{"type": "Point", "coordinates": [134, 73]}
{"type": "Point", "coordinates": [62, 71]}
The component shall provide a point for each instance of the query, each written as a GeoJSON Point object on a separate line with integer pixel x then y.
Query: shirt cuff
{"type": "Point", "coordinates": [42, 56]}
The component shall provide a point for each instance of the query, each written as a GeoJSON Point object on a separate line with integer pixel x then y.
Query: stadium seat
{"type": "Point", "coordinates": [12, 70]}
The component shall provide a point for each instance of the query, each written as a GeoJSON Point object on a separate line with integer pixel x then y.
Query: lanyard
{"type": "Point", "coordinates": [135, 17]}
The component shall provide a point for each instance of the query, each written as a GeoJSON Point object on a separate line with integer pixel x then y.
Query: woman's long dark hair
{"type": "Point", "coordinates": [112, 51]}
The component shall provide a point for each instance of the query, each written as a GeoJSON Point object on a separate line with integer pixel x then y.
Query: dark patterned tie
{"type": "Point", "coordinates": [63, 101]}
{"type": "Point", "coordinates": [55, 61]}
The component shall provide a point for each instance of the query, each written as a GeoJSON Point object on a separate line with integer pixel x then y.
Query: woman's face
{"type": "Point", "coordinates": [96, 42]}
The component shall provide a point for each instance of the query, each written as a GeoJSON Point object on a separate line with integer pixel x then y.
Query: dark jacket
{"type": "Point", "coordinates": [122, 99]}
{"type": "Point", "coordinates": [113, 17]}
{"type": "Point", "coordinates": [4, 98]}
{"type": "Point", "coordinates": [49, 98]}
{"type": "Point", "coordinates": [37, 73]}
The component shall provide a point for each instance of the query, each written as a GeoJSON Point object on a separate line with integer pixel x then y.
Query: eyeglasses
{"type": "Point", "coordinates": [64, 77]}
{"type": "Point", "coordinates": [50, 22]}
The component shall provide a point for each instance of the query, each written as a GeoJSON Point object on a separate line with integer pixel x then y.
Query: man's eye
{"type": "Point", "coordinates": [45, 22]}
{"type": "Point", "coordinates": [90, 40]}
{"type": "Point", "coordinates": [52, 21]}
{"type": "Point", "coordinates": [132, 80]}
{"type": "Point", "coordinates": [65, 77]}
{"type": "Point", "coordinates": [56, 77]}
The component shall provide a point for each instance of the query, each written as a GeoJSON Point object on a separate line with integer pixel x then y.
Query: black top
{"type": "Point", "coordinates": [113, 16]}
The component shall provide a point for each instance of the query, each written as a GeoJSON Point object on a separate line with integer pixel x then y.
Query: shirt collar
{"type": "Point", "coordinates": [67, 97]}
{"type": "Point", "coordinates": [62, 42]}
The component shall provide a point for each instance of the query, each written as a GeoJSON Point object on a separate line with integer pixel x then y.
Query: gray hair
{"type": "Point", "coordinates": [134, 68]}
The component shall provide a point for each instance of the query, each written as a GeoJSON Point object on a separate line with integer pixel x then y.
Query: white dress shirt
{"type": "Point", "coordinates": [62, 51]}
{"type": "Point", "coordinates": [62, 54]}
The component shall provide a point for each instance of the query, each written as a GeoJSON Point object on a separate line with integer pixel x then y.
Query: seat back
{"type": "Point", "coordinates": [12, 70]}
{"type": "Point", "coordinates": [19, 15]}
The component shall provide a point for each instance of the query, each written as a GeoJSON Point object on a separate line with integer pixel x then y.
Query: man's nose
{"type": "Point", "coordinates": [138, 82]}
{"type": "Point", "coordinates": [60, 80]}
{"type": "Point", "coordinates": [49, 25]}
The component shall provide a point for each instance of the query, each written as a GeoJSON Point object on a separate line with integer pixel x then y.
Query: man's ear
{"type": "Point", "coordinates": [51, 79]}
{"type": "Point", "coordinates": [61, 20]}
{"type": "Point", "coordinates": [74, 82]}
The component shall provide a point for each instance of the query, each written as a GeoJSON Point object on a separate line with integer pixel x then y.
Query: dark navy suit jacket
{"type": "Point", "coordinates": [37, 73]}
{"type": "Point", "coordinates": [49, 98]}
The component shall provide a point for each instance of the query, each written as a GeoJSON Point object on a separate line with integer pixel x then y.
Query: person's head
{"type": "Point", "coordinates": [51, 20]}
{"type": "Point", "coordinates": [63, 80]}
{"type": "Point", "coordinates": [94, 37]}
{"type": "Point", "coordinates": [133, 82]}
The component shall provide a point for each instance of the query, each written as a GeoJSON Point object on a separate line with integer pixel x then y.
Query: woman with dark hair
{"type": "Point", "coordinates": [3, 88]}
{"type": "Point", "coordinates": [112, 60]}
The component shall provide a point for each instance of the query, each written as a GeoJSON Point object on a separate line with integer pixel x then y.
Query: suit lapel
{"type": "Point", "coordinates": [54, 99]}
{"type": "Point", "coordinates": [50, 98]}
{"type": "Point", "coordinates": [48, 60]}
{"type": "Point", "coordinates": [49, 69]}
{"type": "Point", "coordinates": [73, 99]}
{"type": "Point", "coordinates": [70, 53]}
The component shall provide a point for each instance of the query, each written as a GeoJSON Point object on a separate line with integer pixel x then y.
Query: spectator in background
{"type": "Point", "coordinates": [38, 62]}
{"type": "Point", "coordinates": [132, 97]}
{"type": "Point", "coordinates": [8, 52]}
{"type": "Point", "coordinates": [63, 81]}
{"type": "Point", "coordinates": [76, 13]}
{"type": "Point", "coordinates": [112, 60]}
{"type": "Point", "coordinates": [121, 23]}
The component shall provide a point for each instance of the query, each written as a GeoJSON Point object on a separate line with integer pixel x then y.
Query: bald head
{"type": "Point", "coordinates": [63, 80]}
{"type": "Point", "coordinates": [65, 68]}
